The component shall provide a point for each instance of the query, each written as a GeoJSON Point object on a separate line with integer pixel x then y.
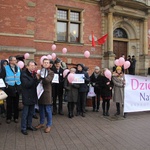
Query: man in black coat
{"type": "Point", "coordinates": [58, 88]}
{"type": "Point", "coordinates": [29, 81]}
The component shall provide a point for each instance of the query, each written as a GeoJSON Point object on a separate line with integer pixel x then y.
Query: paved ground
{"type": "Point", "coordinates": [94, 132]}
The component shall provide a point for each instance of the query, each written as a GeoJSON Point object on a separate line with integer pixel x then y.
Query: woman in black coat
{"type": "Point", "coordinates": [83, 89]}
{"type": "Point", "coordinates": [95, 80]}
{"type": "Point", "coordinates": [106, 93]}
{"type": "Point", "coordinates": [72, 93]}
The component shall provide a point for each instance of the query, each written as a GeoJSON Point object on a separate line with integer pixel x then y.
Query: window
{"type": "Point", "coordinates": [68, 26]}
{"type": "Point", "coordinates": [120, 33]}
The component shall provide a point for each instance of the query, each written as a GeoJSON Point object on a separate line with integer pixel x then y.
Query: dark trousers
{"type": "Point", "coordinates": [96, 102]}
{"type": "Point", "coordinates": [81, 102]}
{"type": "Point", "coordinates": [71, 108]}
{"type": "Point", "coordinates": [27, 114]}
{"type": "Point", "coordinates": [118, 107]}
{"type": "Point", "coordinates": [12, 104]}
{"type": "Point", "coordinates": [106, 105]}
{"type": "Point", "coordinates": [2, 109]}
{"type": "Point", "coordinates": [60, 102]}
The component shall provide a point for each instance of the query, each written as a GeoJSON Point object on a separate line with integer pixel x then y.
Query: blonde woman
{"type": "Point", "coordinates": [119, 83]}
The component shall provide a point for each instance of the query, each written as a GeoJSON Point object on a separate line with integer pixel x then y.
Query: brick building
{"type": "Point", "coordinates": [34, 25]}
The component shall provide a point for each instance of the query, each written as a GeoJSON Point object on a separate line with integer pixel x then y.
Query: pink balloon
{"type": "Point", "coordinates": [38, 71]}
{"type": "Point", "coordinates": [42, 58]}
{"type": "Point", "coordinates": [65, 72]}
{"type": "Point", "coordinates": [117, 62]}
{"type": "Point", "coordinates": [107, 74]}
{"type": "Point", "coordinates": [70, 77]}
{"type": "Point", "coordinates": [64, 50]}
{"type": "Point", "coordinates": [49, 56]}
{"type": "Point", "coordinates": [26, 55]}
{"type": "Point", "coordinates": [53, 55]}
{"type": "Point", "coordinates": [121, 61]}
{"type": "Point", "coordinates": [87, 54]}
{"type": "Point", "coordinates": [53, 47]}
{"type": "Point", "coordinates": [20, 64]}
{"type": "Point", "coordinates": [126, 64]}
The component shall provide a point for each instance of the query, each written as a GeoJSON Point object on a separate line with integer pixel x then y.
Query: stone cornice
{"type": "Point", "coordinates": [17, 49]}
{"type": "Point", "coordinates": [89, 1]}
{"type": "Point", "coordinates": [69, 55]}
{"type": "Point", "coordinates": [16, 35]}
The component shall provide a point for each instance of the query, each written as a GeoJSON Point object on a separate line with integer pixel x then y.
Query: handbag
{"type": "Point", "coordinates": [3, 95]}
{"type": "Point", "coordinates": [91, 92]}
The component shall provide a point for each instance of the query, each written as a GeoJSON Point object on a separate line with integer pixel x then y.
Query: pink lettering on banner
{"type": "Point", "coordinates": [137, 85]}
{"type": "Point", "coordinates": [134, 84]}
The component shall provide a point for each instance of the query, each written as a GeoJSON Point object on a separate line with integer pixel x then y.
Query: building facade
{"type": "Point", "coordinates": [34, 25]}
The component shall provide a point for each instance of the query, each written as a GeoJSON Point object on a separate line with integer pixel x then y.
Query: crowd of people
{"type": "Point", "coordinates": [24, 82]}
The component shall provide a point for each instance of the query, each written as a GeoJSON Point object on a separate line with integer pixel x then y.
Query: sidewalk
{"type": "Point", "coordinates": [93, 132]}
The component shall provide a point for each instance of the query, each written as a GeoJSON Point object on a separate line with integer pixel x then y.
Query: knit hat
{"type": "Point", "coordinates": [97, 68]}
{"type": "Point", "coordinates": [118, 68]}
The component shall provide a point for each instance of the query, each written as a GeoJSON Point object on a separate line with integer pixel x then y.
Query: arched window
{"type": "Point", "coordinates": [120, 33]}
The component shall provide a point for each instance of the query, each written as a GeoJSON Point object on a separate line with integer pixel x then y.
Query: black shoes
{"type": "Point", "coordinates": [61, 113]}
{"type": "Point", "coordinates": [8, 121]}
{"type": "Point", "coordinates": [24, 132]}
{"type": "Point", "coordinates": [83, 115]}
{"type": "Point", "coordinates": [35, 116]}
{"type": "Point", "coordinates": [104, 114]}
{"type": "Point", "coordinates": [107, 113]}
{"type": "Point", "coordinates": [117, 113]}
{"type": "Point", "coordinates": [31, 128]}
{"type": "Point", "coordinates": [16, 120]}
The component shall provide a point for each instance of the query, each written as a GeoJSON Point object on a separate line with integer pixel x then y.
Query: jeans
{"type": "Point", "coordinates": [45, 111]}
{"type": "Point", "coordinates": [27, 114]}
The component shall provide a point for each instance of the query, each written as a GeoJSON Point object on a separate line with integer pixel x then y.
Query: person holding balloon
{"type": "Point", "coordinates": [106, 90]}
{"type": "Point", "coordinates": [83, 89]}
{"type": "Point", "coordinates": [72, 91]}
{"type": "Point", "coordinates": [119, 84]}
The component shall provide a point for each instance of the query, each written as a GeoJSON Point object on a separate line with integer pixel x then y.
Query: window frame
{"type": "Point", "coordinates": [68, 21]}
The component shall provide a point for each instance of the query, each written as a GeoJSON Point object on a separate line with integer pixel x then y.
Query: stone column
{"type": "Point", "coordinates": [144, 59]}
{"type": "Point", "coordinates": [145, 38]}
{"type": "Point", "coordinates": [109, 56]}
{"type": "Point", "coordinates": [110, 32]}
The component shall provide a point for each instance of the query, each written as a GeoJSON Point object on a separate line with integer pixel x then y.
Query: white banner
{"type": "Point", "coordinates": [137, 93]}
{"type": "Point", "coordinates": [39, 89]}
{"type": "Point", "coordinates": [78, 78]}
{"type": "Point", "coordinates": [55, 78]}
{"type": "Point", "coordinates": [2, 84]}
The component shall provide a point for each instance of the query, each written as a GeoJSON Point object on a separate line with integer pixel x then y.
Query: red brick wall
{"type": "Point", "coordinates": [13, 20]}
